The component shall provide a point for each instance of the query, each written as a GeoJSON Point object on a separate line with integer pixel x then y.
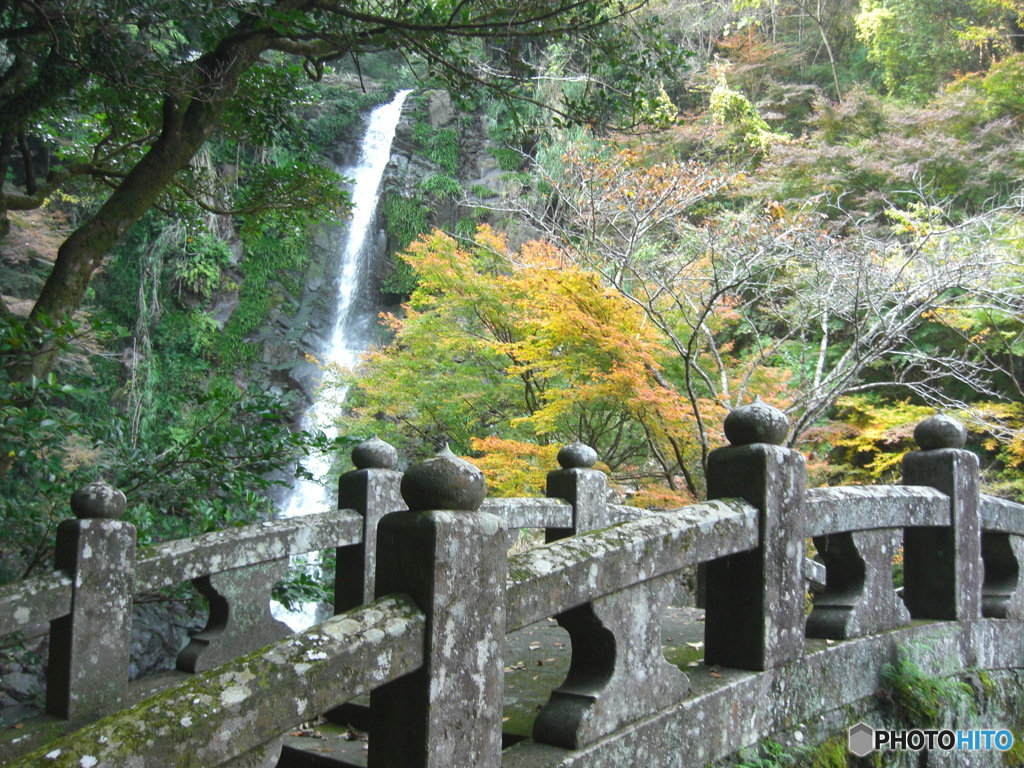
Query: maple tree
{"type": "Point", "coordinates": [513, 353]}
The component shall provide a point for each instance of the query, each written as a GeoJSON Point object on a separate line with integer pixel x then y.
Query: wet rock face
{"type": "Point", "coordinates": [440, 111]}
{"type": "Point", "coordinates": [159, 631]}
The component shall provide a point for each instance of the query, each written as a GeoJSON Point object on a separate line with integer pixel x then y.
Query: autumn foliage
{"type": "Point", "coordinates": [529, 348]}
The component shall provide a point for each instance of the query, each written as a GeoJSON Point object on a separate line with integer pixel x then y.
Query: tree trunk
{"type": "Point", "coordinates": [184, 131]}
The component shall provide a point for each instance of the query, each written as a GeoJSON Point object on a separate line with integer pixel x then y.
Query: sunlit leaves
{"type": "Point", "coordinates": [526, 346]}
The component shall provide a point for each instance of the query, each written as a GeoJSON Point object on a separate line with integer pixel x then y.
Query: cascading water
{"type": "Point", "coordinates": [346, 340]}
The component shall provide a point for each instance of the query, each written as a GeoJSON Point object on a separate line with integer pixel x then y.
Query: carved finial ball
{"type": "Point", "coordinates": [98, 500]}
{"type": "Point", "coordinates": [443, 482]}
{"type": "Point", "coordinates": [940, 431]}
{"type": "Point", "coordinates": [374, 454]}
{"type": "Point", "coordinates": [577, 456]}
{"type": "Point", "coordinates": [756, 422]}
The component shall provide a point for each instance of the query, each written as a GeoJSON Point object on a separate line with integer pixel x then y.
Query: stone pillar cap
{"type": "Point", "coordinates": [443, 482]}
{"type": "Point", "coordinates": [940, 431]}
{"type": "Point", "coordinates": [98, 500]}
{"type": "Point", "coordinates": [577, 456]}
{"type": "Point", "coordinates": [756, 422]}
{"type": "Point", "coordinates": [374, 454]}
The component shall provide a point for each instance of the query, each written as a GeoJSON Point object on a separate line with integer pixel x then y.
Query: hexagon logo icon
{"type": "Point", "coordinates": [861, 739]}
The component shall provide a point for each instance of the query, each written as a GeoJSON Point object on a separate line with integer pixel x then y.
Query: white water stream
{"type": "Point", "coordinates": [346, 340]}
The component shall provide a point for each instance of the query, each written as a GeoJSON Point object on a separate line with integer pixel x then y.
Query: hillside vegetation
{"type": "Point", "coordinates": [633, 220]}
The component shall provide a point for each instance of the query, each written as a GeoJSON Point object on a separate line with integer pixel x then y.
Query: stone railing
{"type": "Point", "coordinates": [429, 647]}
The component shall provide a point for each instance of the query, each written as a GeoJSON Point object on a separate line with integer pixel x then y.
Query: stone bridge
{"type": "Point", "coordinates": [426, 594]}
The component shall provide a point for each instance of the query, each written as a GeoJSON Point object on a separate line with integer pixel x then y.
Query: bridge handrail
{"type": "Point", "coordinates": [47, 597]}
{"type": "Point", "coordinates": [606, 582]}
{"type": "Point", "coordinates": [550, 579]}
{"type": "Point", "coordinates": [864, 508]}
{"type": "Point", "coordinates": [33, 601]}
{"type": "Point", "coordinates": [212, 717]}
{"type": "Point", "coordinates": [530, 512]}
{"type": "Point", "coordinates": [1001, 515]}
{"type": "Point", "coordinates": [173, 562]}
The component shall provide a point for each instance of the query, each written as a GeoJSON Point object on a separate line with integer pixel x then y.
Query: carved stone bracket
{"type": "Point", "coordinates": [240, 619]}
{"type": "Point", "coordinates": [618, 672]}
{"type": "Point", "coordinates": [1002, 594]}
{"type": "Point", "coordinates": [859, 597]}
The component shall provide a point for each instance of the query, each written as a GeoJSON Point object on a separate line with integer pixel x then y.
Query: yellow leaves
{"type": "Point", "coordinates": [514, 467]}
{"type": "Point", "coordinates": [652, 496]}
{"type": "Point", "coordinates": [882, 432]}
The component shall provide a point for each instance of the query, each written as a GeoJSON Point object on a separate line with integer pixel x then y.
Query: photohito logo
{"type": "Point", "coordinates": [863, 739]}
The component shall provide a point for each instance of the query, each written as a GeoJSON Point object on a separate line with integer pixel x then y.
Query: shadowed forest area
{"type": "Point", "coordinates": [629, 221]}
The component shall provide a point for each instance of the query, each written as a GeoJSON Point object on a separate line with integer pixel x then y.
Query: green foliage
{"type": "Point", "coordinates": [268, 259]}
{"type": "Point", "coordinates": [482, 191]}
{"type": "Point", "coordinates": [339, 112]}
{"type": "Point", "coordinates": [873, 435]}
{"type": "Point", "coordinates": [769, 754]}
{"type": "Point", "coordinates": [198, 270]}
{"type": "Point", "coordinates": [205, 462]}
{"type": "Point", "coordinates": [920, 44]}
{"type": "Point", "coordinates": [441, 146]}
{"type": "Point", "coordinates": [509, 159]}
{"type": "Point", "coordinates": [37, 446]}
{"type": "Point", "coordinates": [1002, 85]}
{"type": "Point", "coordinates": [831, 753]}
{"type": "Point", "coordinates": [1014, 756]}
{"type": "Point", "coordinates": [263, 111]}
{"type": "Point", "coordinates": [465, 228]}
{"type": "Point", "coordinates": [749, 135]}
{"type": "Point", "coordinates": [919, 699]}
{"type": "Point", "coordinates": [401, 280]}
{"type": "Point", "coordinates": [869, 154]}
{"type": "Point", "coordinates": [441, 185]}
{"type": "Point", "coordinates": [404, 218]}
{"type": "Point", "coordinates": [289, 196]}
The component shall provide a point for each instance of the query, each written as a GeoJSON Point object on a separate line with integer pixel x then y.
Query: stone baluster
{"type": "Point", "coordinates": [87, 674]}
{"type": "Point", "coordinates": [618, 672]}
{"type": "Point", "coordinates": [372, 489]}
{"type": "Point", "coordinates": [754, 604]}
{"type": "Point", "coordinates": [1002, 594]}
{"type": "Point", "coordinates": [859, 597]}
{"type": "Point", "coordinates": [942, 567]}
{"type": "Point", "coordinates": [240, 620]}
{"type": "Point", "coordinates": [450, 558]}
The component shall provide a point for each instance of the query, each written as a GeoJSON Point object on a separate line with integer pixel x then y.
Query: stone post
{"type": "Point", "coordinates": [578, 483]}
{"type": "Point", "coordinates": [451, 560]}
{"type": "Point", "coordinates": [942, 571]}
{"type": "Point", "coordinates": [754, 612]}
{"type": "Point", "coordinates": [87, 674]}
{"type": "Point", "coordinates": [372, 489]}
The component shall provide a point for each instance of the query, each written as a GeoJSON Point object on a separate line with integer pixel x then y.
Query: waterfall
{"type": "Point", "coordinates": [346, 339]}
